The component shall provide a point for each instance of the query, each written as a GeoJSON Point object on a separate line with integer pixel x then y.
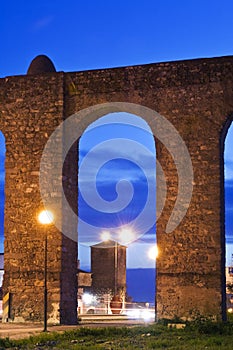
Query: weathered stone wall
{"type": "Point", "coordinates": [84, 279]}
{"type": "Point", "coordinates": [31, 107]}
{"type": "Point", "coordinates": [196, 97]}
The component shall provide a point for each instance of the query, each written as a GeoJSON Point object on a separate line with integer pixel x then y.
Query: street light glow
{"type": "Point", "coordinates": [45, 217]}
{"type": "Point", "coordinates": [88, 298]}
{"type": "Point", "coordinates": [153, 252]}
{"type": "Point", "coordinates": [126, 235]}
{"type": "Point", "coordinates": [105, 236]}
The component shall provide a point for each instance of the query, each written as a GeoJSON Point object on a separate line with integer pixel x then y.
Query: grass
{"type": "Point", "coordinates": [198, 335]}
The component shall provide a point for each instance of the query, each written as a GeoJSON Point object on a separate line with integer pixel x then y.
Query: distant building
{"type": "Point", "coordinates": [229, 275]}
{"type": "Point", "coordinates": [229, 286]}
{"type": "Point", "coordinates": [84, 279]}
{"type": "Point", "coordinates": [108, 266]}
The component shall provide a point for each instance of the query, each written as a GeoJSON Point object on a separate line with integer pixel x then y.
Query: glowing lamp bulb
{"type": "Point", "coordinates": [153, 252]}
{"type": "Point", "coordinates": [45, 217]}
{"type": "Point", "coordinates": [105, 236]}
{"type": "Point", "coordinates": [126, 235]}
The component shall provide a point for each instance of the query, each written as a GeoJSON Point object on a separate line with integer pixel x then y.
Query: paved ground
{"type": "Point", "coordinates": [19, 331]}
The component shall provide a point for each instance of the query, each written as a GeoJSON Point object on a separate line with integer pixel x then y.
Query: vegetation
{"type": "Point", "coordinates": [229, 287]}
{"type": "Point", "coordinates": [200, 334]}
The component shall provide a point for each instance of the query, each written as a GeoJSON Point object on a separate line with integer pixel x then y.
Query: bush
{"type": "Point", "coordinates": [207, 326]}
{"type": "Point", "coordinates": [6, 343]}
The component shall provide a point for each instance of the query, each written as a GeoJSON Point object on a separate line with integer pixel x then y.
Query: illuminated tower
{"type": "Point", "coordinates": [108, 266]}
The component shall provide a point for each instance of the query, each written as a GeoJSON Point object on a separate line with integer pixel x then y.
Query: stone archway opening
{"type": "Point", "coordinates": [2, 205]}
{"type": "Point", "coordinates": [228, 205]}
{"type": "Point", "coordinates": [116, 231]}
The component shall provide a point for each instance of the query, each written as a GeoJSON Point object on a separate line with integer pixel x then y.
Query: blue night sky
{"type": "Point", "coordinates": [106, 179]}
{"type": "Point", "coordinates": [81, 35]}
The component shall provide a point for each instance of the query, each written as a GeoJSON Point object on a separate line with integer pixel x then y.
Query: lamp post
{"type": "Point", "coordinates": [116, 267]}
{"type": "Point", "coordinates": [45, 218]}
{"type": "Point", "coordinates": [106, 236]}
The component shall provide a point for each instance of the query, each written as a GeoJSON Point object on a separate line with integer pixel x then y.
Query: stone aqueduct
{"type": "Point", "coordinates": [196, 96]}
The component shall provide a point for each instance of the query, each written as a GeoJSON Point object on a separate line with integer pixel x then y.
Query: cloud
{"type": "Point", "coordinates": [228, 169]}
{"type": "Point", "coordinates": [229, 212]}
{"type": "Point", "coordinates": [43, 22]}
{"type": "Point", "coordinates": [229, 239]}
{"type": "Point", "coordinates": [228, 154]}
{"type": "Point", "coordinates": [229, 195]}
{"type": "Point", "coordinates": [118, 167]}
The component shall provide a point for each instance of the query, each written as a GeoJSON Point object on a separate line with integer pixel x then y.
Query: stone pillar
{"type": "Point", "coordinates": [32, 107]}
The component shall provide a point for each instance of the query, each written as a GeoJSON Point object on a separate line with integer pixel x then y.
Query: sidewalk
{"type": "Point", "coordinates": [19, 331]}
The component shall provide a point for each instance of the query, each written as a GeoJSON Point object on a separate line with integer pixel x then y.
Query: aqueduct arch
{"type": "Point", "coordinates": [196, 96]}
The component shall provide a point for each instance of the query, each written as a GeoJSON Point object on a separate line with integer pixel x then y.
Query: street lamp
{"type": "Point", "coordinates": [105, 236]}
{"type": "Point", "coordinates": [115, 266]}
{"type": "Point", "coordinates": [45, 218]}
{"type": "Point", "coordinates": [126, 235]}
{"type": "Point", "coordinates": [153, 252]}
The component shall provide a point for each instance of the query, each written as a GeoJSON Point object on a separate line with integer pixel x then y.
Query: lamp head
{"type": "Point", "coordinates": [45, 217]}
